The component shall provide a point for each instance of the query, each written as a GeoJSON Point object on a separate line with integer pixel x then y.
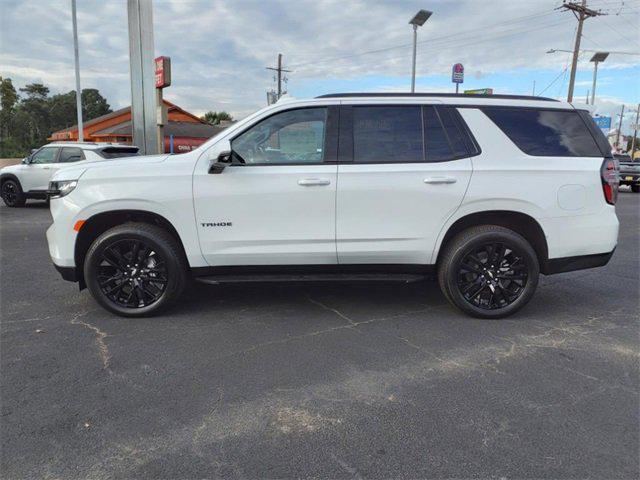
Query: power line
{"type": "Point", "coordinates": [429, 41]}
{"type": "Point", "coordinates": [581, 12]}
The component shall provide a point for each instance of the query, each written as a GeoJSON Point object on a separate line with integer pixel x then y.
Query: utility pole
{"type": "Point", "coordinates": [581, 12]}
{"type": "Point", "coordinates": [533, 93]}
{"type": "Point", "coordinates": [619, 129]}
{"type": "Point", "coordinates": [77, 64]}
{"type": "Point", "coordinates": [280, 70]}
{"type": "Point", "coordinates": [635, 132]}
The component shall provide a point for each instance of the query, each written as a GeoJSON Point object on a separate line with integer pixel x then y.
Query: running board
{"type": "Point", "coordinates": [367, 277]}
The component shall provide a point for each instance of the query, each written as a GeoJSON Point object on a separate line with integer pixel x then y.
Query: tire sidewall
{"type": "Point", "coordinates": [516, 243]}
{"type": "Point", "coordinates": [94, 258]}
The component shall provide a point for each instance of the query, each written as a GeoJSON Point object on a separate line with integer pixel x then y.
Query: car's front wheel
{"type": "Point", "coordinates": [488, 271]}
{"type": "Point", "coordinates": [635, 188]}
{"type": "Point", "coordinates": [12, 194]}
{"type": "Point", "coordinates": [135, 269]}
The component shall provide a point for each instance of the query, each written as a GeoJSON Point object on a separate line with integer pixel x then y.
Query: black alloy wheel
{"type": "Point", "coordinates": [488, 271]}
{"type": "Point", "coordinates": [135, 269]}
{"type": "Point", "coordinates": [492, 276]}
{"type": "Point", "coordinates": [12, 194]}
{"type": "Point", "coordinates": [132, 274]}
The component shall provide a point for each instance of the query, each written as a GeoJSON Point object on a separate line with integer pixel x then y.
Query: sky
{"type": "Point", "coordinates": [220, 49]}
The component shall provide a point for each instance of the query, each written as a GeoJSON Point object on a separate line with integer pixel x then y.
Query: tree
{"type": "Point", "coordinates": [94, 105]}
{"type": "Point", "coordinates": [214, 118]}
{"type": "Point", "coordinates": [8, 101]}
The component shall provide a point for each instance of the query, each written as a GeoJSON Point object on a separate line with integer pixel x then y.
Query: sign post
{"type": "Point", "coordinates": [457, 75]}
{"type": "Point", "coordinates": [163, 79]}
{"type": "Point", "coordinates": [140, 15]}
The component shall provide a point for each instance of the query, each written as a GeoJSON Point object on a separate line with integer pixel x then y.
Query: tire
{"type": "Point", "coordinates": [482, 288]}
{"type": "Point", "coordinates": [635, 188]}
{"type": "Point", "coordinates": [135, 289]}
{"type": "Point", "coordinates": [12, 194]}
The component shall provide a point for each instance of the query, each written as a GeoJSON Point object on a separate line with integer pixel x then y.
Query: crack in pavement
{"type": "Point", "coordinates": [103, 350]}
{"type": "Point", "coordinates": [326, 307]}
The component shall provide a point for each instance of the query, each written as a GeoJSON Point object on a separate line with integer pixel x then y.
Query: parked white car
{"type": "Point", "coordinates": [486, 191]}
{"type": "Point", "coordinates": [30, 179]}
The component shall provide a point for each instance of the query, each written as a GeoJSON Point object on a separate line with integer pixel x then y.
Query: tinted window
{"type": "Point", "coordinates": [117, 152]}
{"type": "Point", "coordinates": [295, 136]}
{"type": "Point", "coordinates": [70, 155]}
{"type": "Point", "coordinates": [46, 155]}
{"type": "Point", "coordinates": [453, 132]}
{"type": "Point", "coordinates": [438, 148]}
{"type": "Point", "coordinates": [387, 134]}
{"type": "Point", "coordinates": [597, 133]}
{"type": "Point", "coordinates": [546, 133]}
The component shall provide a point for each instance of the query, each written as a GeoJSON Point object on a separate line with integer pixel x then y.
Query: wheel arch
{"type": "Point", "coordinates": [99, 223]}
{"type": "Point", "coordinates": [9, 176]}
{"type": "Point", "coordinates": [519, 222]}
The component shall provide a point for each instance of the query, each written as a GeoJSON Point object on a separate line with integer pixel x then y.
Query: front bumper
{"type": "Point", "coordinates": [629, 178]}
{"type": "Point", "coordinates": [68, 273]}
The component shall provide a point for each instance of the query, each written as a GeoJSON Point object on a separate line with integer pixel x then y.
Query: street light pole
{"type": "Point", "coordinates": [413, 66]}
{"type": "Point", "coordinates": [619, 129]}
{"type": "Point", "coordinates": [77, 64]}
{"type": "Point", "coordinates": [417, 21]}
{"type": "Point", "coordinates": [596, 59]}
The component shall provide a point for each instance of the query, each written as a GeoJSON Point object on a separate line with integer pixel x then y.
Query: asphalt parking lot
{"type": "Point", "coordinates": [333, 380]}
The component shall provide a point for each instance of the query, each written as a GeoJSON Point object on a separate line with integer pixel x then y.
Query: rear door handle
{"type": "Point", "coordinates": [438, 180]}
{"type": "Point", "coordinates": [312, 182]}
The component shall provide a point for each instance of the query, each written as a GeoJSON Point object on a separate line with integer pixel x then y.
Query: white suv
{"type": "Point", "coordinates": [30, 179]}
{"type": "Point", "coordinates": [487, 192]}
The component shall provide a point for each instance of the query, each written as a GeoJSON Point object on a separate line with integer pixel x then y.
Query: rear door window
{"type": "Point", "coordinates": [68, 155]}
{"type": "Point", "coordinates": [545, 133]}
{"type": "Point", "coordinates": [387, 134]}
{"type": "Point", "coordinates": [117, 152]}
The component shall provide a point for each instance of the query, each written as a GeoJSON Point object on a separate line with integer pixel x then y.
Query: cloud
{"type": "Point", "coordinates": [220, 49]}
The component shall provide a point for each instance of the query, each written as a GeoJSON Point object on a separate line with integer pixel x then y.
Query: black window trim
{"type": "Point", "coordinates": [346, 141]}
{"type": "Point", "coordinates": [546, 109]}
{"type": "Point", "coordinates": [330, 147]}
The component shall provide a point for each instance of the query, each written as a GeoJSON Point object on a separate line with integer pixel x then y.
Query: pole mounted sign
{"type": "Point", "coordinates": [163, 72]}
{"type": "Point", "coordinates": [457, 73]}
{"type": "Point", "coordinates": [603, 122]}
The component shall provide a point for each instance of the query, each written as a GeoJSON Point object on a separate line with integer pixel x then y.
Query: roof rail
{"type": "Point", "coordinates": [445, 95]}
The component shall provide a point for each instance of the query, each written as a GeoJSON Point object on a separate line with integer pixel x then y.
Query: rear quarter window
{"type": "Point", "coordinates": [545, 133]}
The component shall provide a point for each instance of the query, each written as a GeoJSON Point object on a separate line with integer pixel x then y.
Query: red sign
{"type": "Point", "coordinates": [163, 72]}
{"type": "Point", "coordinates": [457, 73]}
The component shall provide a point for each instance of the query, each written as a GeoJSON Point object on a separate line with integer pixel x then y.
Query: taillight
{"type": "Point", "coordinates": [610, 180]}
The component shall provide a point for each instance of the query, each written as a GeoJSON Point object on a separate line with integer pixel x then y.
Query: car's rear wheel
{"type": "Point", "coordinates": [488, 271]}
{"type": "Point", "coordinates": [635, 188]}
{"type": "Point", "coordinates": [135, 269]}
{"type": "Point", "coordinates": [12, 194]}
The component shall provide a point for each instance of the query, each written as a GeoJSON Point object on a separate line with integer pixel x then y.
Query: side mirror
{"type": "Point", "coordinates": [224, 159]}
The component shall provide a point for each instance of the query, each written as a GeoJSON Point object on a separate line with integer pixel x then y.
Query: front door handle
{"type": "Point", "coordinates": [46, 168]}
{"type": "Point", "coordinates": [438, 180]}
{"type": "Point", "coordinates": [312, 182]}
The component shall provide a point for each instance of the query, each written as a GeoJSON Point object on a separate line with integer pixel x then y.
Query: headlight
{"type": "Point", "coordinates": [61, 188]}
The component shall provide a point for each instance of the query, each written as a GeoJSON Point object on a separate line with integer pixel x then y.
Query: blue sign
{"type": "Point", "coordinates": [603, 122]}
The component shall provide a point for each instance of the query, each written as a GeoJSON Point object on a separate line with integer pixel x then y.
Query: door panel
{"type": "Point", "coordinates": [40, 170]}
{"type": "Point", "coordinates": [392, 213]}
{"type": "Point", "coordinates": [276, 203]}
{"type": "Point", "coordinates": [274, 215]}
{"type": "Point", "coordinates": [400, 179]}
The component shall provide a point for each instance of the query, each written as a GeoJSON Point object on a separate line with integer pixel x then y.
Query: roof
{"type": "Point", "coordinates": [86, 145]}
{"type": "Point", "coordinates": [171, 107]}
{"type": "Point", "coordinates": [441, 95]}
{"type": "Point", "coordinates": [177, 129]}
